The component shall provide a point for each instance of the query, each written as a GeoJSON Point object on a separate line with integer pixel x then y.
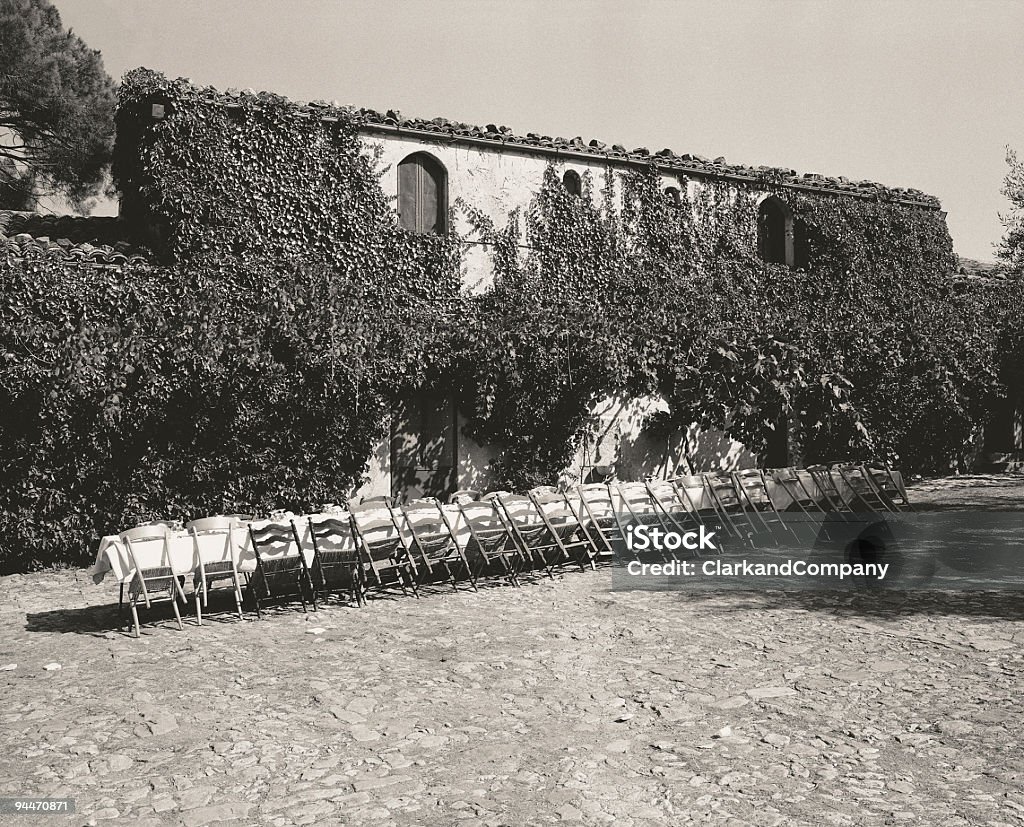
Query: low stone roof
{"type": "Point", "coordinates": [970, 271]}
{"type": "Point", "coordinates": [504, 137]}
{"type": "Point", "coordinates": [70, 238]}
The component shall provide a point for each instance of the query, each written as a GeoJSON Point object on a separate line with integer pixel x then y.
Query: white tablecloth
{"type": "Point", "coordinates": [112, 557]}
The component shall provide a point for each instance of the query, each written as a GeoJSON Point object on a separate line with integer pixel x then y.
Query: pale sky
{"type": "Point", "coordinates": [912, 93]}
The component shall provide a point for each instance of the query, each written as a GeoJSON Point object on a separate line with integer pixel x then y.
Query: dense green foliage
{"type": "Point", "coordinates": [256, 366]}
{"type": "Point", "coordinates": [58, 102]}
{"type": "Point", "coordinates": [249, 372]}
{"type": "Point", "coordinates": [866, 352]}
{"type": "Point", "coordinates": [1011, 250]}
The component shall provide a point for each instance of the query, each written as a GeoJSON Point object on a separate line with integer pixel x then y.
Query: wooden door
{"type": "Point", "coordinates": [421, 194]}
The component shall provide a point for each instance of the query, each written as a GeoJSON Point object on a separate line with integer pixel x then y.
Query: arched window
{"type": "Point", "coordinates": [423, 194]}
{"type": "Point", "coordinates": [672, 196]}
{"type": "Point", "coordinates": [572, 183]}
{"type": "Point", "coordinates": [775, 231]}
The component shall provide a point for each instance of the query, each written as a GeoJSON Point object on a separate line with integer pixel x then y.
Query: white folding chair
{"type": "Point", "coordinates": [216, 559]}
{"type": "Point", "coordinates": [152, 571]}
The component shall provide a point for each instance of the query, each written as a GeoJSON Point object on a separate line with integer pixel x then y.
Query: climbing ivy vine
{"type": "Point", "coordinates": [256, 363]}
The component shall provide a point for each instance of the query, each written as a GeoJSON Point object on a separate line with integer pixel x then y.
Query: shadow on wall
{"type": "Point", "coordinates": [473, 469]}
{"type": "Point", "coordinates": [622, 434]}
{"type": "Point", "coordinates": [377, 476]}
{"type": "Point", "coordinates": [651, 452]}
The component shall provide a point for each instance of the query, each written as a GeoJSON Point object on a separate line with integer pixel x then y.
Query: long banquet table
{"type": "Point", "coordinates": [184, 549]}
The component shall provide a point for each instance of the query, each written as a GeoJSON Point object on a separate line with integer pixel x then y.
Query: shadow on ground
{"type": "Point", "coordinates": [890, 605]}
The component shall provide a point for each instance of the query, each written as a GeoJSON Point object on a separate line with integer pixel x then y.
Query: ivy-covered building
{"type": "Point", "coordinates": [441, 212]}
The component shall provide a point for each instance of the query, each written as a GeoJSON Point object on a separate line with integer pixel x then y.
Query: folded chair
{"type": "Point", "coordinates": [217, 556]}
{"type": "Point", "coordinates": [828, 495]}
{"type": "Point", "coordinates": [279, 572]}
{"type": "Point", "coordinates": [484, 537]}
{"type": "Point", "coordinates": [729, 503]}
{"type": "Point", "coordinates": [696, 492]}
{"type": "Point", "coordinates": [859, 490]}
{"type": "Point", "coordinates": [152, 576]}
{"type": "Point", "coordinates": [598, 516]}
{"type": "Point", "coordinates": [336, 563]}
{"type": "Point", "coordinates": [432, 543]}
{"type": "Point", "coordinates": [752, 488]}
{"type": "Point", "coordinates": [674, 510]}
{"type": "Point", "coordinates": [536, 542]}
{"type": "Point", "coordinates": [635, 506]}
{"type": "Point", "coordinates": [386, 559]}
{"type": "Point", "coordinates": [794, 495]}
{"type": "Point", "coordinates": [564, 527]}
{"type": "Point", "coordinates": [889, 485]}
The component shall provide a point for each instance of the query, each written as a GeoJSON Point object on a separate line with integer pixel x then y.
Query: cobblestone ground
{"type": "Point", "coordinates": [559, 702]}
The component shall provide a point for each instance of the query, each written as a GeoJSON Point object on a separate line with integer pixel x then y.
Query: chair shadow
{"type": "Point", "coordinates": [94, 621]}
{"type": "Point", "coordinates": [879, 605]}
{"type": "Point", "coordinates": [98, 621]}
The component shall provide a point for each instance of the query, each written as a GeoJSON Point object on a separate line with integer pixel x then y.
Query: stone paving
{"type": "Point", "coordinates": [562, 701]}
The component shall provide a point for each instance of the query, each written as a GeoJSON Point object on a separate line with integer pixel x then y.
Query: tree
{"type": "Point", "coordinates": [56, 108]}
{"type": "Point", "coordinates": [1011, 250]}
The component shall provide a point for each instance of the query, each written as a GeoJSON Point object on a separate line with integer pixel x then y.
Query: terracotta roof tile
{"type": "Point", "coordinates": [666, 159]}
{"type": "Point", "coordinates": [99, 240]}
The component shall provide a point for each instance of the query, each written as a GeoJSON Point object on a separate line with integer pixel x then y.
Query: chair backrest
{"type": "Point", "coordinates": [665, 495]}
{"type": "Point", "coordinates": [519, 508]}
{"type": "Point", "coordinates": [886, 481]}
{"type": "Point", "coordinates": [145, 530]}
{"type": "Point", "coordinates": [424, 518]}
{"type": "Point", "coordinates": [429, 532]}
{"type": "Point", "coordinates": [597, 499]}
{"type": "Point", "coordinates": [785, 475]}
{"type": "Point", "coordinates": [147, 547]}
{"type": "Point", "coordinates": [213, 539]}
{"type": "Point", "coordinates": [693, 490]}
{"type": "Point", "coordinates": [856, 476]}
{"type": "Point", "coordinates": [482, 525]}
{"type": "Point", "coordinates": [635, 498]}
{"type": "Point", "coordinates": [554, 507]}
{"type": "Point", "coordinates": [821, 476]}
{"type": "Point", "coordinates": [274, 540]}
{"type": "Point", "coordinates": [218, 523]}
{"type": "Point", "coordinates": [751, 483]}
{"type": "Point", "coordinates": [376, 528]}
{"type": "Point", "coordinates": [480, 514]}
{"type": "Point", "coordinates": [464, 495]}
{"type": "Point", "coordinates": [793, 485]}
{"type": "Point", "coordinates": [331, 534]}
{"type": "Point", "coordinates": [723, 487]}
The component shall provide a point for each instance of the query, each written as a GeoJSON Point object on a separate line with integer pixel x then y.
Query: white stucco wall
{"type": "Point", "coordinates": [492, 182]}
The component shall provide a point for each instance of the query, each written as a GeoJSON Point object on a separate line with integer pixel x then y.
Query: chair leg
{"type": "Point", "coordinates": [135, 617]}
{"type": "Point", "coordinates": [238, 597]}
{"type": "Point", "coordinates": [199, 610]}
{"type": "Point", "coordinates": [177, 614]}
